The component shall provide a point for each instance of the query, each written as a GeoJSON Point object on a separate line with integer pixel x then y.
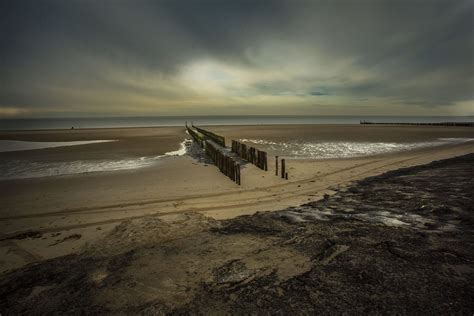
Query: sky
{"type": "Point", "coordinates": [138, 58]}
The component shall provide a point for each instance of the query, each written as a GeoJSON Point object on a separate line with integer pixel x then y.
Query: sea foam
{"type": "Point", "coordinates": [341, 149]}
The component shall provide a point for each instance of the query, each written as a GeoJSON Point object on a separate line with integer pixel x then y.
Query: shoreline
{"type": "Point", "coordinates": [227, 125]}
{"type": "Point", "coordinates": [71, 206]}
{"type": "Point", "coordinates": [210, 120]}
{"type": "Point", "coordinates": [81, 203]}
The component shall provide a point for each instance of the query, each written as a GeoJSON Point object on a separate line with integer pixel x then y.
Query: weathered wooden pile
{"type": "Point", "coordinates": [211, 143]}
{"type": "Point", "coordinates": [284, 174]}
{"type": "Point", "coordinates": [218, 139]}
{"type": "Point", "coordinates": [252, 155]}
{"type": "Point", "coordinates": [240, 149]}
{"type": "Point", "coordinates": [226, 164]}
{"type": "Point", "coordinates": [198, 137]}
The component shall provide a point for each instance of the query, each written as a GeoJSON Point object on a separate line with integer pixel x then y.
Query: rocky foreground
{"type": "Point", "coordinates": [400, 243]}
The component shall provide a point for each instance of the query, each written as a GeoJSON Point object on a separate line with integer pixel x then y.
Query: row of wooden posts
{"type": "Point", "coordinates": [198, 137]}
{"type": "Point", "coordinates": [218, 139]}
{"type": "Point", "coordinates": [226, 164]}
{"type": "Point", "coordinates": [214, 146]}
{"type": "Point", "coordinates": [252, 155]}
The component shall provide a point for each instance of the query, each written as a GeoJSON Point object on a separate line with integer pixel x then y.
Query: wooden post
{"type": "Point", "coordinates": [259, 159]}
{"type": "Point", "coordinates": [283, 168]}
{"type": "Point", "coordinates": [276, 165]}
{"type": "Point", "coordinates": [238, 174]}
{"type": "Point", "coordinates": [232, 173]}
{"type": "Point", "coordinates": [226, 165]}
{"type": "Point", "coordinates": [227, 173]}
{"type": "Point", "coordinates": [286, 175]}
{"type": "Point", "coordinates": [265, 161]}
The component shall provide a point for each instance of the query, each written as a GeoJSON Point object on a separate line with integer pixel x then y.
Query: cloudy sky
{"type": "Point", "coordinates": [172, 57]}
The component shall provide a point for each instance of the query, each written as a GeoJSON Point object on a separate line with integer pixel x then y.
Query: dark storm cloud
{"type": "Point", "coordinates": [80, 55]}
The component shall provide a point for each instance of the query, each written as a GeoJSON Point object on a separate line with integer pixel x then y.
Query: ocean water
{"type": "Point", "coordinates": [21, 169]}
{"type": "Point", "coordinates": [19, 145]}
{"type": "Point", "coordinates": [341, 149]}
{"type": "Point", "coordinates": [110, 122]}
{"type": "Point", "coordinates": [15, 169]}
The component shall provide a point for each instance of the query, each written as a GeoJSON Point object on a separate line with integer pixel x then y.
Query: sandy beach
{"type": "Point", "coordinates": [396, 243]}
{"type": "Point", "coordinates": [88, 206]}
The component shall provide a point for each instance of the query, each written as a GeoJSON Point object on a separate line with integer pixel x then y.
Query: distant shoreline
{"type": "Point", "coordinates": [20, 124]}
{"type": "Point", "coordinates": [40, 130]}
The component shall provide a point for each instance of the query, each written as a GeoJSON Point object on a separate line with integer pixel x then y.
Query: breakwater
{"type": "Point", "coordinates": [227, 163]}
{"type": "Point", "coordinates": [464, 124]}
{"type": "Point", "coordinates": [228, 160]}
{"type": "Point", "coordinates": [250, 154]}
{"type": "Point", "coordinates": [218, 139]}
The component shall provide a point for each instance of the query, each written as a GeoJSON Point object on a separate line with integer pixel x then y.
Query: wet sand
{"type": "Point", "coordinates": [89, 206]}
{"type": "Point", "coordinates": [131, 143]}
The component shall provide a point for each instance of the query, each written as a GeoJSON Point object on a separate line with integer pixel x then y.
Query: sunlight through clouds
{"type": "Point", "coordinates": [242, 57]}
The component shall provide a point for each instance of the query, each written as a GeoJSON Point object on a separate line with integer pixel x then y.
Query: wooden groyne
{"type": "Point", "coordinates": [198, 137]}
{"type": "Point", "coordinates": [251, 154]}
{"type": "Point", "coordinates": [220, 140]}
{"type": "Point", "coordinates": [464, 124]}
{"type": "Point", "coordinates": [226, 163]}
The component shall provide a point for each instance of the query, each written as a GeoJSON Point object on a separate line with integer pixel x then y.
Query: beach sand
{"type": "Point", "coordinates": [43, 218]}
{"type": "Point", "coordinates": [398, 243]}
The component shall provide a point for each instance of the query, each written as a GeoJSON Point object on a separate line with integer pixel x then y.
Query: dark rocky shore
{"type": "Point", "coordinates": [399, 243]}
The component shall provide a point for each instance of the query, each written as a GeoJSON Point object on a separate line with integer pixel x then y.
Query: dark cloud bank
{"type": "Point", "coordinates": [135, 57]}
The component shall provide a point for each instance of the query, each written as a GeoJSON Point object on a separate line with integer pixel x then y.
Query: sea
{"type": "Point", "coordinates": [152, 121]}
{"type": "Point", "coordinates": [21, 169]}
